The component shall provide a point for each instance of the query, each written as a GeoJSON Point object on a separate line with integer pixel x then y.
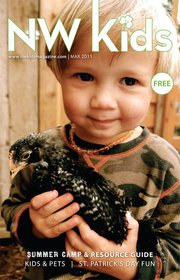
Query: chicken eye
{"type": "Point", "coordinates": [26, 155]}
{"type": "Point", "coordinates": [128, 81]}
{"type": "Point", "coordinates": [85, 77]}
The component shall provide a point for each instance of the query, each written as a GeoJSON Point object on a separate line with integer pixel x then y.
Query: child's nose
{"type": "Point", "coordinates": [103, 99]}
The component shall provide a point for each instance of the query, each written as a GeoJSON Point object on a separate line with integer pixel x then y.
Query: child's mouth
{"type": "Point", "coordinates": [103, 122]}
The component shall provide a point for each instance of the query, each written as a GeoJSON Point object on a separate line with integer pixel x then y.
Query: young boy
{"type": "Point", "coordinates": [106, 97]}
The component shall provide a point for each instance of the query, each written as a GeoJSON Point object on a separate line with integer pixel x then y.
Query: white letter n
{"type": "Point", "coordinates": [29, 40]}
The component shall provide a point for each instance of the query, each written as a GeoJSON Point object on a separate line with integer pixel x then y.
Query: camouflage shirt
{"type": "Point", "coordinates": [146, 169]}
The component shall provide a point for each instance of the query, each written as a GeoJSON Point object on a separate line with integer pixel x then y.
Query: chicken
{"type": "Point", "coordinates": [56, 167]}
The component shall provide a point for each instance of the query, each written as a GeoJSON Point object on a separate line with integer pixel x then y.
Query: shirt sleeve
{"type": "Point", "coordinates": [165, 232]}
{"type": "Point", "coordinates": [18, 199]}
{"type": "Point", "coordinates": [15, 211]}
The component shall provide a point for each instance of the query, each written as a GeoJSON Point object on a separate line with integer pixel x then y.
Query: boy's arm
{"type": "Point", "coordinates": [15, 209]}
{"type": "Point", "coordinates": [166, 231]}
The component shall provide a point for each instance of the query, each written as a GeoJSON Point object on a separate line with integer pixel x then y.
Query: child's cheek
{"type": "Point", "coordinates": [73, 107]}
{"type": "Point", "coordinates": [136, 111]}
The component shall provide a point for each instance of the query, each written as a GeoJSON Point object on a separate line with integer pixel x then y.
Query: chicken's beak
{"type": "Point", "coordinates": [15, 167]}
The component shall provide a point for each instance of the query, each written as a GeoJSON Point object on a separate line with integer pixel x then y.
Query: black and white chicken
{"type": "Point", "coordinates": [56, 167]}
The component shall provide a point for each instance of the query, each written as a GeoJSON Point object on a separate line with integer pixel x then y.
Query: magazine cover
{"type": "Point", "coordinates": [89, 139]}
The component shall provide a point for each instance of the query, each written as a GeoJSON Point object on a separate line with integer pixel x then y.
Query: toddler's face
{"type": "Point", "coordinates": [105, 97]}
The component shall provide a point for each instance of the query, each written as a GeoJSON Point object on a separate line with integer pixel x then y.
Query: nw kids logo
{"type": "Point", "coordinates": [163, 37]}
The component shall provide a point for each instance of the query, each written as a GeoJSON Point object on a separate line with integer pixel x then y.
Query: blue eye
{"type": "Point", "coordinates": [128, 81]}
{"type": "Point", "coordinates": [85, 77]}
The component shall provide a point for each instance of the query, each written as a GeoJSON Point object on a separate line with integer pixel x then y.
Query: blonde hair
{"type": "Point", "coordinates": [138, 10]}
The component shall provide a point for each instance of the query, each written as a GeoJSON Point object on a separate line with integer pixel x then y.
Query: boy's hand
{"type": "Point", "coordinates": [48, 217]}
{"type": "Point", "coordinates": [89, 241]}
